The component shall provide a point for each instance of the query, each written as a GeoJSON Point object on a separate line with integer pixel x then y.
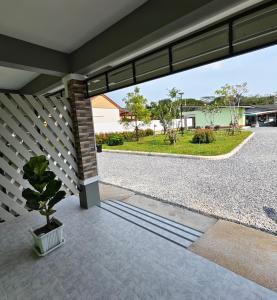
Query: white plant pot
{"type": "Point", "coordinates": [48, 242]}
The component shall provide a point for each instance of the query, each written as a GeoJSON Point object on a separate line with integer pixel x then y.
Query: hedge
{"type": "Point", "coordinates": [102, 138]}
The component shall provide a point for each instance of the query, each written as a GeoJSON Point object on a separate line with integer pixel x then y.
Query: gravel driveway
{"type": "Point", "coordinates": [236, 188]}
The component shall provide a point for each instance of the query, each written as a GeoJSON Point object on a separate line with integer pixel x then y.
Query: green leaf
{"type": "Point", "coordinates": [51, 189]}
{"type": "Point", "coordinates": [36, 164]}
{"type": "Point", "coordinates": [32, 197]}
{"type": "Point", "coordinates": [51, 212]}
{"type": "Point", "coordinates": [35, 172]}
{"type": "Point", "coordinates": [57, 198]}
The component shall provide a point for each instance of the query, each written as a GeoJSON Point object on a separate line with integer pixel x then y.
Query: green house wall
{"type": "Point", "coordinates": [223, 118]}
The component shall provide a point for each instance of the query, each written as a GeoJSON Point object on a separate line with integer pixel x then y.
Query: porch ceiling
{"type": "Point", "coordinates": [62, 25]}
{"type": "Point", "coordinates": [15, 79]}
{"type": "Point", "coordinates": [56, 38]}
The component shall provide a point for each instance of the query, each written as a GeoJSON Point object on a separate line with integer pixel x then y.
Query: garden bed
{"type": "Point", "coordinates": [223, 144]}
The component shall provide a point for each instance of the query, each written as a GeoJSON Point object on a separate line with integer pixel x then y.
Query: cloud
{"type": "Point", "coordinates": [213, 66]}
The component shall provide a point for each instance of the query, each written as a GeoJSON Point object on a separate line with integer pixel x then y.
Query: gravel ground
{"type": "Point", "coordinates": [236, 188]}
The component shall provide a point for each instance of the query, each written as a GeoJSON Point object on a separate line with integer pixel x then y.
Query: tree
{"type": "Point", "coordinates": [161, 110]}
{"type": "Point", "coordinates": [232, 96]}
{"type": "Point", "coordinates": [173, 114]}
{"type": "Point", "coordinates": [136, 105]}
{"type": "Point", "coordinates": [211, 110]}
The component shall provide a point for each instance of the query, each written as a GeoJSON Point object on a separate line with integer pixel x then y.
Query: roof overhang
{"type": "Point", "coordinates": [163, 23]}
{"type": "Point", "coordinates": [261, 113]}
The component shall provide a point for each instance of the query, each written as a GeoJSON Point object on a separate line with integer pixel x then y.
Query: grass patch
{"type": "Point", "coordinates": [224, 143]}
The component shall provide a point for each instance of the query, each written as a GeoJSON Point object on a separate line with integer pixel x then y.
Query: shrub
{"type": "Point", "coordinates": [99, 140]}
{"type": "Point", "coordinates": [182, 130]}
{"type": "Point", "coordinates": [114, 140]}
{"type": "Point", "coordinates": [217, 127]}
{"type": "Point", "coordinates": [210, 137]}
{"type": "Point", "coordinates": [128, 135]}
{"type": "Point", "coordinates": [102, 138]}
{"type": "Point", "coordinates": [203, 136]}
{"type": "Point", "coordinates": [141, 133]}
{"type": "Point", "coordinates": [149, 132]}
{"type": "Point", "coordinates": [199, 136]}
{"type": "Point", "coordinates": [171, 136]}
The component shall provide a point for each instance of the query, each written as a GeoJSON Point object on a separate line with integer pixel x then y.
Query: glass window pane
{"type": "Point", "coordinates": [97, 85]}
{"type": "Point", "coordinates": [201, 49]}
{"type": "Point", "coordinates": [121, 77]}
{"type": "Point", "coordinates": [256, 29]}
{"type": "Point", "coordinates": [152, 66]}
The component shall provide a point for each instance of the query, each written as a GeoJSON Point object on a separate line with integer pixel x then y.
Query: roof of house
{"type": "Point", "coordinates": [261, 109]}
{"type": "Point", "coordinates": [101, 101]}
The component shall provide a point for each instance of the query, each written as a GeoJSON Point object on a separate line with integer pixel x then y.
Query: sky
{"type": "Point", "coordinates": [258, 69]}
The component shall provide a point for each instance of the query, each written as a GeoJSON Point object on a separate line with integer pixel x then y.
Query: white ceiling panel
{"type": "Point", "coordinates": [13, 79]}
{"type": "Point", "coordinates": [62, 25]}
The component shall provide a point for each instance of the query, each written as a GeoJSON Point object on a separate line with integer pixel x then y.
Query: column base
{"type": "Point", "coordinates": [89, 195]}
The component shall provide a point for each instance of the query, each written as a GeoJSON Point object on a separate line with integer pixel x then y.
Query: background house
{"type": "Point", "coordinates": [199, 118]}
{"type": "Point", "coordinates": [261, 115]}
{"type": "Point", "coordinates": [256, 115]}
{"type": "Point", "coordinates": [104, 109]}
{"type": "Point", "coordinates": [107, 115]}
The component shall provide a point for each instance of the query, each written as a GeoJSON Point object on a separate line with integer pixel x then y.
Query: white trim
{"type": "Point", "coordinates": [89, 180]}
{"type": "Point", "coordinates": [71, 76]}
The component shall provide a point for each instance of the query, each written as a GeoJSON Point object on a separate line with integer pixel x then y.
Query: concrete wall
{"type": "Point", "coordinates": [223, 118]}
{"type": "Point", "coordinates": [106, 127]}
{"type": "Point", "coordinates": [117, 127]}
{"type": "Point", "coordinates": [105, 115]}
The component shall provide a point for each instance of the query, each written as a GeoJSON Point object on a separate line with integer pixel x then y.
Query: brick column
{"type": "Point", "coordinates": [84, 140]}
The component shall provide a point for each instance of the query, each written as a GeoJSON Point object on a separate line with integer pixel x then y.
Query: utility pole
{"type": "Point", "coordinates": [181, 108]}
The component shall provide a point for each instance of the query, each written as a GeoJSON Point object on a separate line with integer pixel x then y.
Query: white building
{"type": "Point", "coordinates": [105, 110]}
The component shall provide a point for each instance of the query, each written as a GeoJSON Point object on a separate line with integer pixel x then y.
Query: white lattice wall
{"type": "Point", "coordinates": [31, 125]}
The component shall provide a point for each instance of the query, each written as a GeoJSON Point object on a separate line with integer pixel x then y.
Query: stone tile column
{"type": "Point", "coordinates": [75, 90]}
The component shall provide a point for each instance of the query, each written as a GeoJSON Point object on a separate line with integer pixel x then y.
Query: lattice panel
{"type": "Point", "coordinates": [33, 125]}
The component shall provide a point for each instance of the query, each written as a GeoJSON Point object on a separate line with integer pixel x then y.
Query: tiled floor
{"type": "Point", "coordinates": [246, 251]}
{"type": "Point", "coordinates": [106, 257]}
{"type": "Point", "coordinates": [172, 212]}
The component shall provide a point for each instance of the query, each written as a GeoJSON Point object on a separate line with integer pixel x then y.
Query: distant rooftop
{"type": "Point", "coordinates": [261, 109]}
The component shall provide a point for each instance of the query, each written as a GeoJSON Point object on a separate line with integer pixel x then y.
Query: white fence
{"type": "Point", "coordinates": [117, 127]}
{"type": "Point", "coordinates": [29, 126]}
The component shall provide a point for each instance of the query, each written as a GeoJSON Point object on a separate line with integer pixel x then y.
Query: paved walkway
{"type": "Point", "coordinates": [236, 188]}
{"type": "Point", "coordinates": [243, 250]}
{"type": "Point", "coordinates": [106, 257]}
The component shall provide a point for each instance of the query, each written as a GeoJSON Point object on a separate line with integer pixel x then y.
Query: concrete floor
{"type": "Point", "coordinates": [180, 215]}
{"type": "Point", "coordinates": [106, 257]}
{"type": "Point", "coordinates": [246, 251]}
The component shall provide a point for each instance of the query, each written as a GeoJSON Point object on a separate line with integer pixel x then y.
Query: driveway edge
{"type": "Point", "coordinates": [215, 157]}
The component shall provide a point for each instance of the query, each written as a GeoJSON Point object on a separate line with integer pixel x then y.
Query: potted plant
{"type": "Point", "coordinates": [99, 146]}
{"type": "Point", "coordinates": [99, 143]}
{"type": "Point", "coordinates": [43, 198]}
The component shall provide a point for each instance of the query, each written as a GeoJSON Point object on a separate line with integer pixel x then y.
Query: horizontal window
{"type": "Point", "coordinates": [120, 77]}
{"type": "Point", "coordinates": [255, 29]}
{"type": "Point", "coordinates": [97, 85]}
{"type": "Point", "coordinates": [203, 48]}
{"type": "Point", "coordinates": [152, 66]}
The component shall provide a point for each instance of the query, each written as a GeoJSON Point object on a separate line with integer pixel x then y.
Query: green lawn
{"type": "Point", "coordinates": [224, 143]}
